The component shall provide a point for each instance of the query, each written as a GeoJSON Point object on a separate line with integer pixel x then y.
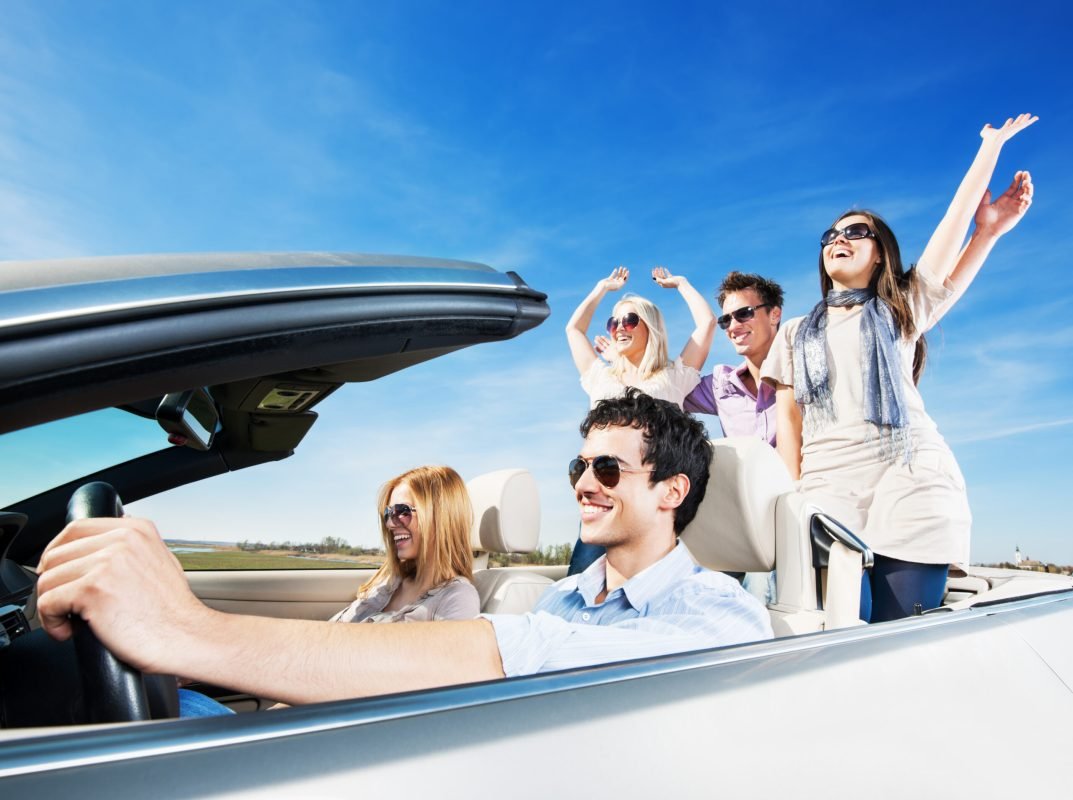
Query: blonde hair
{"type": "Point", "coordinates": [655, 357]}
{"type": "Point", "coordinates": [445, 517]}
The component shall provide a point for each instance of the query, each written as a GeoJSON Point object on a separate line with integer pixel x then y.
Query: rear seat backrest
{"type": "Point", "coordinates": [506, 519]}
{"type": "Point", "coordinates": [734, 530]}
{"type": "Point", "coordinates": [752, 520]}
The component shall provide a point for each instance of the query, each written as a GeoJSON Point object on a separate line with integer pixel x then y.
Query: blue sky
{"type": "Point", "coordinates": [559, 142]}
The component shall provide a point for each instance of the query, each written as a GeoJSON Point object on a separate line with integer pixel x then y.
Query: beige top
{"type": "Point", "coordinates": [456, 599]}
{"type": "Point", "coordinates": [672, 383]}
{"type": "Point", "coordinates": [850, 431]}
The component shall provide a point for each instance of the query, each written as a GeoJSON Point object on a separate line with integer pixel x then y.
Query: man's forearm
{"type": "Point", "coordinates": [298, 661]}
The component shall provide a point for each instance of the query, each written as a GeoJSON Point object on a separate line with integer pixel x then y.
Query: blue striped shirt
{"type": "Point", "coordinates": [670, 607]}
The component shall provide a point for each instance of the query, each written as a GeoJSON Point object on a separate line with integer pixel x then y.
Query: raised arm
{"type": "Point", "coordinates": [695, 352]}
{"type": "Point", "coordinates": [788, 429]}
{"type": "Point", "coordinates": [941, 254]}
{"type": "Point", "coordinates": [993, 221]}
{"type": "Point", "coordinates": [577, 328]}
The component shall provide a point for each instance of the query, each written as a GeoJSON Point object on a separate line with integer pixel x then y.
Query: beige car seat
{"type": "Point", "coordinates": [752, 520]}
{"type": "Point", "coordinates": [506, 510]}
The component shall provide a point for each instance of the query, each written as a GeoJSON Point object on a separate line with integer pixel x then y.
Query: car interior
{"type": "Point", "coordinates": [251, 397]}
{"type": "Point", "coordinates": [751, 520]}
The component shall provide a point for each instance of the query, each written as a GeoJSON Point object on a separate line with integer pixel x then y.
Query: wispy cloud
{"type": "Point", "coordinates": [1016, 430]}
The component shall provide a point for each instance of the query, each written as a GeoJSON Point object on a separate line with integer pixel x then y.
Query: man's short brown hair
{"type": "Point", "coordinates": [769, 291]}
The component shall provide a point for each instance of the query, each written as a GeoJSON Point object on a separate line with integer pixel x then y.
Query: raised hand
{"type": "Point", "coordinates": [1009, 129]}
{"type": "Point", "coordinates": [1001, 216]}
{"type": "Point", "coordinates": [617, 279]}
{"type": "Point", "coordinates": [606, 349]}
{"type": "Point", "coordinates": [664, 278]}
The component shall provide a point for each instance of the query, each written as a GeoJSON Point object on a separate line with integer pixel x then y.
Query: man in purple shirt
{"type": "Point", "coordinates": [752, 310]}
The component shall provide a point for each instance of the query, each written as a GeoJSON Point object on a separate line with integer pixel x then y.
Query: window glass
{"type": "Point", "coordinates": [40, 458]}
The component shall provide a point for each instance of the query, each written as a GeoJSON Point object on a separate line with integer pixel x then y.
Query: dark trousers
{"type": "Point", "coordinates": [893, 588]}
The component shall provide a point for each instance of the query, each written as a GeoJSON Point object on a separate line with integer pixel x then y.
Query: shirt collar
{"type": "Point", "coordinates": [732, 377]}
{"type": "Point", "coordinates": [639, 590]}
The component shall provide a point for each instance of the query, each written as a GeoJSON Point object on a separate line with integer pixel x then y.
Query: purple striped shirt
{"type": "Point", "coordinates": [740, 412]}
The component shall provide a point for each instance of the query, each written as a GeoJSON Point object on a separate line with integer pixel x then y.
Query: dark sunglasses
{"type": "Point", "coordinates": [606, 469]}
{"type": "Point", "coordinates": [858, 230]}
{"type": "Point", "coordinates": [743, 314]}
{"type": "Point", "coordinates": [627, 322]}
{"type": "Point", "coordinates": [399, 511]}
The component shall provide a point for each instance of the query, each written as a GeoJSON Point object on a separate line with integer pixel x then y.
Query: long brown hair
{"type": "Point", "coordinates": [445, 517]}
{"type": "Point", "coordinates": [890, 281]}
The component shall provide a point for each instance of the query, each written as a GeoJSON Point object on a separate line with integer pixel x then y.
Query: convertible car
{"type": "Point", "coordinates": [221, 361]}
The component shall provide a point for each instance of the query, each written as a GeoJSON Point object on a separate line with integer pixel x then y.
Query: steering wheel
{"type": "Point", "coordinates": [114, 691]}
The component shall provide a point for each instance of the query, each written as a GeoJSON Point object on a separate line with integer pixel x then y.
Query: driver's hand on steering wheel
{"type": "Point", "coordinates": [120, 577]}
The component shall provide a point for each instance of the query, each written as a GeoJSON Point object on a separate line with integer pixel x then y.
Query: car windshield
{"type": "Point", "coordinates": [52, 454]}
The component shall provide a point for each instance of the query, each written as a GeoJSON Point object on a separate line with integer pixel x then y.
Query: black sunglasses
{"type": "Point", "coordinates": [627, 322]}
{"type": "Point", "coordinates": [858, 230]}
{"type": "Point", "coordinates": [743, 314]}
{"type": "Point", "coordinates": [399, 511]}
{"type": "Point", "coordinates": [607, 470]}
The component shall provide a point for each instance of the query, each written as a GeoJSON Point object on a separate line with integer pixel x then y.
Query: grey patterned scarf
{"type": "Point", "coordinates": [884, 396]}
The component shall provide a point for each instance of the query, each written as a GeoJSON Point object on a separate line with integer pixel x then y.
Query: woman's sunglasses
{"type": "Point", "coordinates": [627, 322]}
{"type": "Point", "coordinates": [400, 512]}
{"type": "Point", "coordinates": [858, 230]}
{"type": "Point", "coordinates": [743, 314]}
{"type": "Point", "coordinates": [606, 469]}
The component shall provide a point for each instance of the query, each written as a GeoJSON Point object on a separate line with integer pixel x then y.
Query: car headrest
{"type": "Point", "coordinates": [734, 529]}
{"type": "Point", "coordinates": [506, 511]}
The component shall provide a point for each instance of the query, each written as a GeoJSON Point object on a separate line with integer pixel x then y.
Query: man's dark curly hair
{"type": "Point", "coordinates": [674, 442]}
{"type": "Point", "coordinates": [769, 291]}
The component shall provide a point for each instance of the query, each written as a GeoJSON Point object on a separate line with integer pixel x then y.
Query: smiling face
{"type": "Point", "coordinates": [406, 536]}
{"type": "Point", "coordinates": [629, 344]}
{"type": "Point", "coordinates": [629, 512]}
{"type": "Point", "coordinates": [850, 263]}
{"type": "Point", "coordinates": [753, 337]}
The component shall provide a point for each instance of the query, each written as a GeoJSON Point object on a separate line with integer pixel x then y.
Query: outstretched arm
{"type": "Point", "coordinates": [695, 353]}
{"type": "Point", "coordinates": [993, 221]}
{"type": "Point", "coordinates": [941, 254]}
{"type": "Point", "coordinates": [577, 328]}
{"type": "Point", "coordinates": [120, 577]}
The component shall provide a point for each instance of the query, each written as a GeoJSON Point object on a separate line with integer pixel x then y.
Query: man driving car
{"type": "Point", "coordinates": [638, 480]}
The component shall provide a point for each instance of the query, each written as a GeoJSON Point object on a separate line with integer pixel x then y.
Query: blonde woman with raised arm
{"type": "Point", "coordinates": [637, 348]}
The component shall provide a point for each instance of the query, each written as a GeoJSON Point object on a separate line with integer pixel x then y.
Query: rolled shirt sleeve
{"type": "Point", "coordinates": [702, 399]}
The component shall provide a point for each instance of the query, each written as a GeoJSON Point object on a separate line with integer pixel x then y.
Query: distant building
{"type": "Point", "coordinates": [1017, 556]}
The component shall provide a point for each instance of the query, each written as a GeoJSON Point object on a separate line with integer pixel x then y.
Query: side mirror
{"type": "Point", "coordinates": [190, 418]}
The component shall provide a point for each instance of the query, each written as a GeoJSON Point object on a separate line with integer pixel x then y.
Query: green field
{"type": "Point", "coordinates": [238, 559]}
